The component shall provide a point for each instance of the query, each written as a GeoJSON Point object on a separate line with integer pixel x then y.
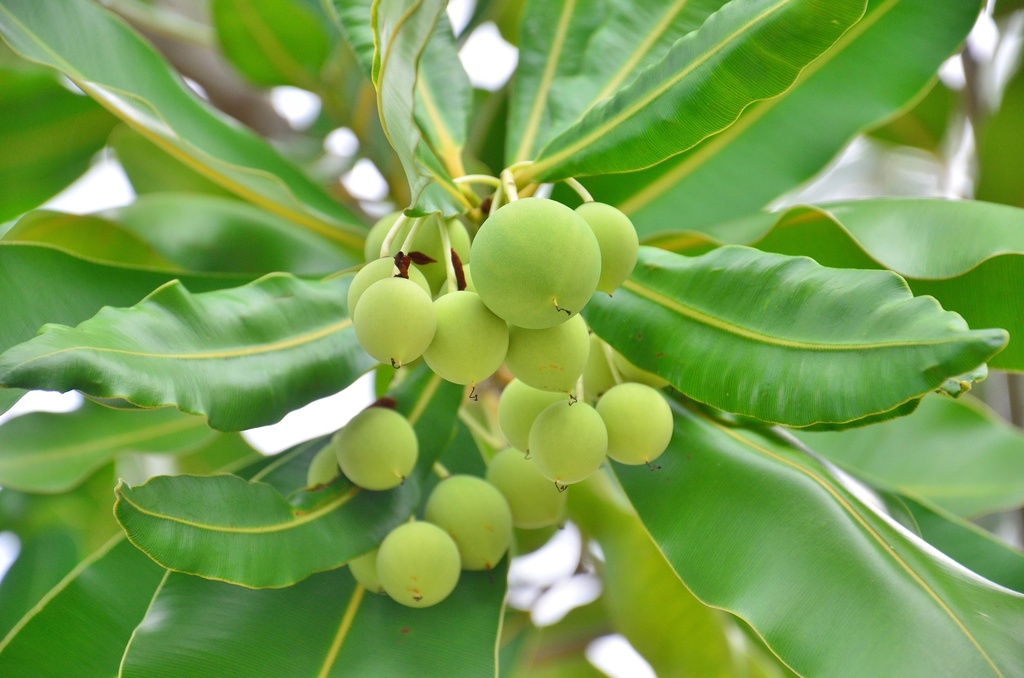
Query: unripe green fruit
{"type": "Point", "coordinates": [470, 286]}
{"type": "Point", "coordinates": [617, 239]}
{"type": "Point", "coordinates": [568, 442]}
{"type": "Point", "coordinates": [518, 407]}
{"type": "Point", "coordinates": [323, 468]}
{"type": "Point", "coordinates": [551, 359]}
{"type": "Point", "coordinates": [377, 449]}
{"type": "Point", "coordinates": [427, 241]}
{"type": "Point", "coordinates": [630, 372]}
{"type": "Point", "coordinates": [418, 564]}
{"type": "Point", "coordinates": [597, 375]}
{"type": "Point", "coordinates": [378, 269]}
{"type": "Point", "coordinates": [469, 343]}
{"type": "Point", "coordinates": [534, 500]}
{"type": "Point", "coordinates": [535, 263]}
{"type": "Point", "coordinates": [394, 321]}
{"type": "Point", "coordinates": [476, 515]}
{"type": "Point", "coordinates": [639, 423]}
{"type": "Point", "coordinates": [364, 569]}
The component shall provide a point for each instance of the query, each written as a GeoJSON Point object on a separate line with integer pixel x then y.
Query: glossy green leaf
{"type": "Point", "coordinates": [443, 97]}
{"type": "Point", "coordinates": [76, 288]}
{"type": "Point", "coordinates": [273, 42]}
{"type": "Point", "coordinates": [9, 397]}
{"type": "Point", "coordinates": [113, 65]}
{"type": "Point", "coordinates": [208, 233]}
{"type": "Point", "coordinates": [968, 544]}
{"type": "Point", "coordinates": [401, 30]}
{"type": "Point", "coordinates": [745, 52]}
{"type": "Point", "coordinates": [93, 612]}
{"type": "Point", "coordinates": [924, 126]}
{"type": "Point", "coordinates": [49, 136]}
{"type": "Point", "coordinates": [955, 453]}
{"type": "Point", "coordinates": [573, 53]}
{"type": "Point", "coordinates": [869, 75]}
{"type": "Point", "coordinates": [783, 339]}
{"type": "Point", "coordinates": [249, 533]}
{"type": "Point", "coordinates": [766, 530]}
{"type": "Point", "coordinates": [43, 560]}
{"type": "Point", "coordinates": [213, 346]}
{"type": "Point", "coordinates": [325, 626]}
{"type": "Point", "coordinates": [963, 253]}
{"type": "Point", "coordinates": [88, 237]}
{"type": "Point", "coordinates": [51, 452]}
{"type": "Point", "coordinates": [646, 601]}
{"type": "Point", "coordinates": [151, 170]}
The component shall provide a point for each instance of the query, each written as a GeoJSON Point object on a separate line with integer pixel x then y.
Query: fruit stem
{"type": "Point", "coordinates": [478, 430]}
{"type": "Point", "coordinates": [607, 350]}
{"type": "Point", "coordinates": [446, 248]}
{"type": "Point", "coordinates": [579, 389]}
{"type": "Point", "coordinates": [440, 471]}
{"type": "Point", "coordinates": [385, 247]}
{"type": "Point", "coordinates": [478, 179]}
{"type": "Point", "coordinates": [508, 182]}
{"type": "Point", "coordinates": [583, 193]}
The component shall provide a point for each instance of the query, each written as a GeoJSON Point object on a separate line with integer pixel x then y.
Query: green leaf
{"type": "Point", "coordinates": [573, 53]}
{"type": "Point", "coordinates": [955, 453]}
{"type": "Point", "coordinates": [75, 288]}
{"type": "Point", "coordinates": [869, 75]}
{"type": "Point", "coordinates": [926, 124]}
{"type": "Point", "coordinates": [969, 545]}
{"type": "Point", "coordinates": [783, 339]}
{"type": "Point", "coordinates": [1000, 143]}
{"type": "Point", "coordinates": [554, 651]}
{"type": "Point", "coordinates": [113, 65]}
{"type": "Point", "coordinates": [49, 452]}
{"type": "Point", "coordinates": [326, 625]}
{"type": "Point", "coordinates": [208, 233]}
{"type": "Point", "coordinates": [646, 601]}
{"type": "Point", "coordinates": [281, 341]}
{"type": "Point", "coordinates": [402, 30]}
{"type": "Point", "coordinates": [88, 237]}
{"type": "Point", "coordinates": [759, 527]}
{"type": "Point", "coordinates": [273, 42]}
{"type": "Point", "coordinates": [248, 533]}
{"type": "Point", "coordinates": [49, 136]}
{"type": "Point", "coordinates": [443, 97]}
{"type": "Point", "coordinates": [746, 52]}
{"type": "Point", "coordinates": [93, 611]}
{"type": "Point", "coordinates": [9, 397]}
{"type": "Point", "coordinates": [964, 253]}
{"type": "Point", "coordinates": [43, 560]}
{"type": "Point", "coordinates": [151, 170]}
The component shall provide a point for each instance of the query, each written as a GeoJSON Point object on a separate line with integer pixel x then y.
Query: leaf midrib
{"type": "Point", "coordinates": [753, 335]}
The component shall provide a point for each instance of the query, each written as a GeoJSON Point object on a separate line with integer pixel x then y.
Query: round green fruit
{"type": "Point", "coordinates": [518, 407]}
{"type": "Point", "coordinates": [617, 239]}
{"type": "Point", "coordinates": [534, 500]}
{"type": "Point", "coordinates": [394, 321]}
{"type": "Point", "coordinates": [323, 468]}
{"type": "Point", "coordinates": [476, 515]}
{"type": "Point", "coordinates": [418, 564]}
{"type": "Point", "coordinates": [377, 449]}
{"type": "Point", "coordinates": [469, 342]}
{"type": "Point", "coordinates": [568, 442]}
{"type": "Point", "coordinates": [364, 569]}
{"type": "Point", "coordinates": [639, 423]}
{"type": "Point", "coordinates": [378, 269]}
{"type": "Point", "coordinates": [551, 359]}
{"type": "Point", "coordinates": [535, 263]}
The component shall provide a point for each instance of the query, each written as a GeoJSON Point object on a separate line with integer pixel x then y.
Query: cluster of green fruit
{"type": "Point", "coordinates": [573, 400]}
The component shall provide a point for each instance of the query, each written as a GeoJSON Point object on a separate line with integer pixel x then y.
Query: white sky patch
{"type": "Point", "coordinates": [104, 185]}
{"type": "Point", "coordinates": [10, 545]}
{"type": "Point", "coordinates": [616, 657]}
{"type": "Point", "coordinates": [365, 182]}
{"type": "Point", "coordinates": [459, 13]}
{"type": "Point", "coordinates": [488, 58]}
{"type": "Point", "coordinates": [341, 142]}
{"type": "Point", "coordinates": [315, 419]}
{"type": "Point", "coordinates": [44, 401]}
{"type": "Point", "coordinates": [299, 107]}
{"type": "Point", "coordinates": [565, 596]}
